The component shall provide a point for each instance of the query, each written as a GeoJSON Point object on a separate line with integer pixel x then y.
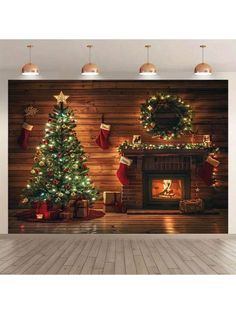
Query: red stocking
{"type": "Point", "coordinates": [123, 169]}
{"type": "Point", "coordinates": [102, 139]}
{"type": "Point", "coordinates": [23, 139]}
{"type": "Point", "coordinates": [205, 172]}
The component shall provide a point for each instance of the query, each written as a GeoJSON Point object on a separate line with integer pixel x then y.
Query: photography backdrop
{"type": "Point", "coordinates": [119, 103]}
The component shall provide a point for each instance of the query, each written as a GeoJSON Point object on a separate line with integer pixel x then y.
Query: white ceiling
{"type": "Point", "coordinates": [118, 56]}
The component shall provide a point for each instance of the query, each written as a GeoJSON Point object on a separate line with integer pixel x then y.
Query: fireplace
{"type": "Point", "coordinates": [160, 179]}
{"type": "Point", "coordinates": [165, 190]}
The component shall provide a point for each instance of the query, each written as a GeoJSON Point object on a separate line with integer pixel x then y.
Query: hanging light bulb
{"type": "Point", "coordinates": [203, 68]}
{"type": "Point", "coordinates": [30, 68]}
{"type": "Point", "coordinates": [89, 68]}
{"type": "Point", "coordinates": [148, 68]}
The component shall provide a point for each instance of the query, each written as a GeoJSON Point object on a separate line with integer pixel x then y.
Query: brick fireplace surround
{"type": "Point", "coordinates": [164, 162]}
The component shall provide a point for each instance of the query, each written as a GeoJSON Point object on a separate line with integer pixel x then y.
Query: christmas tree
{"type": "Point", "coordinates": [59, 172]}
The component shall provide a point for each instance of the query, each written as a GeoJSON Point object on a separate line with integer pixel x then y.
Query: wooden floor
{"type": "Point", "coordinates": [122, 223]}
{"type": "Point", "coordinates": [117, 254]}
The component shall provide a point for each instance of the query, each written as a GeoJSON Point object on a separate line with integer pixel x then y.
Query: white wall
{"type": "Point", "coordinates": [4, 77]}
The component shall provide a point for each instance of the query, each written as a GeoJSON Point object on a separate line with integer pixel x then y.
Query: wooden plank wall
{"type": "Point", "coordinates": [119, 101]}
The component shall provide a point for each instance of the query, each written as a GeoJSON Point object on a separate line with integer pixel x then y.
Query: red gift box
{"type": "Point", "coordinates": [41, 208]}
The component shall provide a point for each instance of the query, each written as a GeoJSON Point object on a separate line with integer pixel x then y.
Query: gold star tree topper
{"type": "Point", "coordinates": [61, 98]}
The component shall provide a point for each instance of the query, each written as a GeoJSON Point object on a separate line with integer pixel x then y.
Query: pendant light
{"type": "Point", "coordinates": [30, 68]}
{"type": "Point", "coordinates": [203, 68]}
{"type": "Point", "coordinates": [148, 68]}
{"type": "Point", "coordinates": [89, 68]}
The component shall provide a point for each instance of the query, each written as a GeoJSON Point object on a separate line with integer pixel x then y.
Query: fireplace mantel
{"type": "Point", "coordinates": [164, 152]}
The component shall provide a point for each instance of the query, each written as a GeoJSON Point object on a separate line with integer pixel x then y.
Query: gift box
{"type": "Point", "coordinates": [111, 201]}
{"type": "Point", "coordinates": [53, 214]}
{"type": "Point", "coordinates": [67, 215]}
{"type": "Point", "coordinates": [41, 210]}
{"type": "Point", "coordinates": [191, 206]}
{"type": "Point", "coordinates": [81, 209]}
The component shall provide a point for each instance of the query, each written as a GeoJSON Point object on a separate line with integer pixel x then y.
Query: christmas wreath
{"type": "Point", "coordinates": [166, 116]}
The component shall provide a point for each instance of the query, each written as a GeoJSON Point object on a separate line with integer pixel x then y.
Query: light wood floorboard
{"type": "Point", "coordinates": [117, 254]}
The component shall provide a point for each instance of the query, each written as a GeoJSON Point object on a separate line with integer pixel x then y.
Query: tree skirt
{"type": "Point", "coordinates": [29, 215]}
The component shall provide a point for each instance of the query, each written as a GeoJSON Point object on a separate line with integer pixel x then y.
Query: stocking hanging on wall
{"type": "Point", "coordinates": [23, 139]}
{"type": "Point", "coordinates": [122, 172]}
{"type": "Point", "coordinates": [205, 172]}
{"type": "Point", "coordinates": [102, 139]}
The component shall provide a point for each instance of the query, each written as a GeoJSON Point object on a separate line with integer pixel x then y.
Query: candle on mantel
{"type": "Point", "coordinates": [207, 140]}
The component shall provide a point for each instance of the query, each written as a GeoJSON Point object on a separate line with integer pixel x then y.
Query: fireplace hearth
{"type": "Point", "coordinates": [165, 190]}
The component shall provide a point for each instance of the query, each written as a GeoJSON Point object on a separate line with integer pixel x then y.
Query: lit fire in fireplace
{"type": "Point", "coordinates": [166, 189]}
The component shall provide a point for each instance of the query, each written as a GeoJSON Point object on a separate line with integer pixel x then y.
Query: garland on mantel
{"type": "Point", "coordinates": [143, 146]}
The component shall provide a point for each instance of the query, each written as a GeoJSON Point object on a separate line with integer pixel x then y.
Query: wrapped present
{"type": "Point", "coordinates": [41, 210]}
{"type": "Point", "coordinates": [53, 214]}
{"type": "Point", "coordinates": [66, 214]}
{"type": "Point", "coordinates": [111, 201]}
{"type": "Point", "coordinates": [81, 209]}
{"type": "Point", "coordinates": [191, 206]}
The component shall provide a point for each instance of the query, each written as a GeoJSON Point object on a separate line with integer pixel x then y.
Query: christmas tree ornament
{"type": "Point", "coordinates": [102, 139]}
{"type": "Point", "coordinates": [61, 98]}
{"type": "Point", "coordinates": [122, 172]}
{"type": "Point", "coordinates": [205, 172]}
{"type": "Point", "coordinates": [30, 111]}
{"type": "Point", "coordinates": [23, 139]}
{"type": "Point", "coordinates": [25, 200]}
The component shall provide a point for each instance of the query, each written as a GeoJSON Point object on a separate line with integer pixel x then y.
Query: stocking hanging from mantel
{"type": "Point", "coordinates": [122, 172]}
{"type": "Point", "coordinates": [205, 172]}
